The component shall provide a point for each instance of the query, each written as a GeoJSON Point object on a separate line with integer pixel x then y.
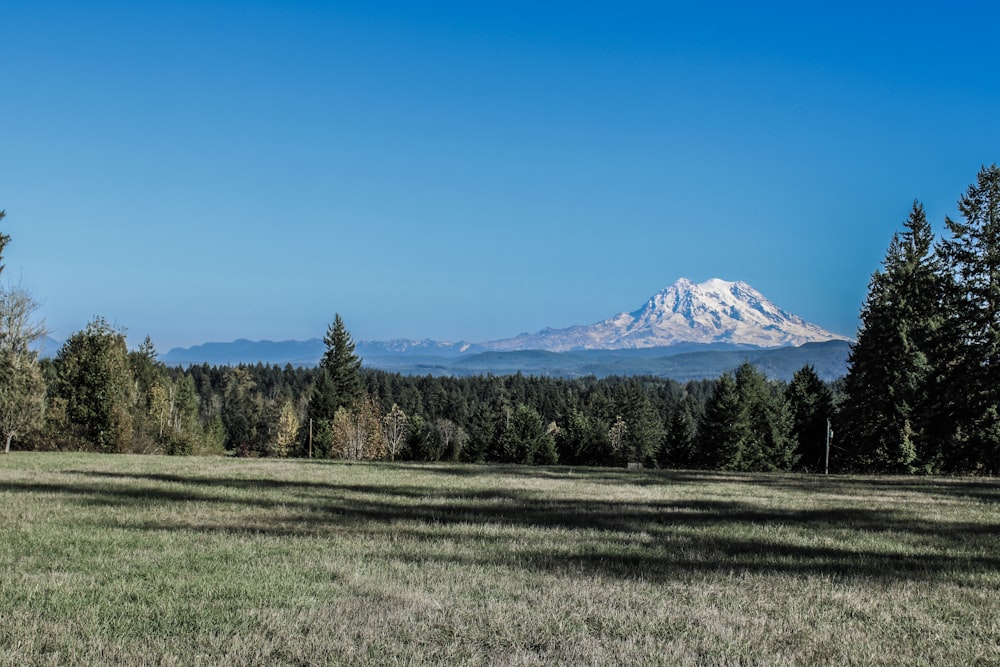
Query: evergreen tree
{"type": "Point", "coordinates": [767, 423]}
{"type": "Point", "coordinates": [342, 364]}
{"type": "Point", "coordinates": [448, 440]}
{"type": "Point", "coordinates": [812, 405]}
{"type": "Point", "coordinates": [241, 413]}
{"type": "Point", "coordinates": [482, 430]}
{"type": "Point", "coordinates": [722, 429]}
{"type": "Point", "coordinates": [886, 418]}
{"type": "Point", "coordinates": [747, 425]}
{"type": "Point", "coordinates": [644, 432]}
{"type": "Point", "coordinates": [337, 386]}
{"type": "Point", "coordinates": [94, 387]}
{"type": "Point", "coordinates": [584, 440]}
{"type": "Point", "coordinates": [681, 436]}
{"type": "Point", "coordinates": [971, 381]}
{"type": "Point", "coordinates": [323, 405]}
{"type": "Point", "coordinates": [525, 439]}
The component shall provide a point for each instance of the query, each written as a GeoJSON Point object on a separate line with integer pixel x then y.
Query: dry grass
{"type": "Point", "coordinates": [161, 561]}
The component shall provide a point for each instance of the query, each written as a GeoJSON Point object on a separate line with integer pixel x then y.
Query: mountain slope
{"type": "Point", "coordinates": [684, 331]}
{"type": "Point", "coordinates": [715, 311]}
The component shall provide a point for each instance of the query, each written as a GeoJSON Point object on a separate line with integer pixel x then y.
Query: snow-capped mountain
{"type": "Point", "coordinates": [715, 311]}
{"type": "Point", "coordinates": [714, 316]}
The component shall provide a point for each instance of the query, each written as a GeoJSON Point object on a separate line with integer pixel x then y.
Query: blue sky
{"type": "Point", "coordinates": [205, 171]}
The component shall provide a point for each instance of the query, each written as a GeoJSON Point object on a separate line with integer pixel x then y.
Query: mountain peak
{"type": "Point", "coordinates": [715, 311]}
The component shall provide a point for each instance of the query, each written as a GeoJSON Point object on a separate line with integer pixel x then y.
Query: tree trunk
{"type": "Point", "coordinates": [10, 436]}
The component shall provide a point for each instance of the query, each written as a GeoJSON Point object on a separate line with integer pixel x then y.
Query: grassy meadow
{"type": "Point", "coordinates": [207, 561]}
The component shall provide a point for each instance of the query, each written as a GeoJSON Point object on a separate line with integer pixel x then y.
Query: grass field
{"type": "Point", "coordinates": [193, 561]}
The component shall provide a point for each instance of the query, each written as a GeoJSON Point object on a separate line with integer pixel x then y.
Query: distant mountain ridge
{"type": "Point", "coordinates": [715, 311]}
{"type": "Point", "coordinates": [711, 318]}
{"type": "Point", "coordinates": [681, 363]}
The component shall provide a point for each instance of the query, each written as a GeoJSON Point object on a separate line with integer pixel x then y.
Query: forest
{"type": "Point", "coordinates": [341, 410]}
{"type": "Point", "coordinates": [921, 396]}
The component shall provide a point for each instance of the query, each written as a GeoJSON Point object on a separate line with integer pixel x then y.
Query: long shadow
{"type": "Point", "coordinates": [211, 481]}
{"type": "Point", "coordinates": [986, 490]}
{"type": "Point", "coordinates": [104, 494]}
{"type": "Point", "coordinates": [633, 538]}
{"type": "Point", "coordinates": [701, 537]}
{"type": "Point", "coordinates": [616, 476]}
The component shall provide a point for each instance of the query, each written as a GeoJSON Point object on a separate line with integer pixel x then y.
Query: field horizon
{"type": "Point", "coordinates": [158, 560]}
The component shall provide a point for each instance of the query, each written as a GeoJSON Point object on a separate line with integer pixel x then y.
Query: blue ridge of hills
{"type": "Point", "coordinates": [681, 362]}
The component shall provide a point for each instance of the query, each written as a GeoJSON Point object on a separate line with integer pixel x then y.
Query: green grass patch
{"type": "Point", "coordinates": [187, 561]}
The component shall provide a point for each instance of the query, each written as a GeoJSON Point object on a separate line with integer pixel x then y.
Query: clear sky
{"type": "Point", "coordinates": [205, 171]}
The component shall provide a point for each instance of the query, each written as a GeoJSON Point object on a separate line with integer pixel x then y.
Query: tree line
{"type": "Point", "coordinates": [923, 390]}
{"type": "Point", "coordinates": [921, 394]}
{"type": "Point", "coordinates": [102, 397]}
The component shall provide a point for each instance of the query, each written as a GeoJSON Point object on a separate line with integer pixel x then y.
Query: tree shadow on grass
{"type": "Point", "coordinates": [528, 528]}
{"type": "Point", "coordinates": [614, 541]}
{"type": "Point", "coordinates": [985, 490]}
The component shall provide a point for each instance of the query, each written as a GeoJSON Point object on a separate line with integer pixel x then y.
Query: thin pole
{"type": "Point", "coordinates": [310, 437]}
{"type": "Point", "coordinates": [829, 437]}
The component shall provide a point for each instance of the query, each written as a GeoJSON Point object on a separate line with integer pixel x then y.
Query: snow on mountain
{"type": "Point", "coordinates": [715, 311]}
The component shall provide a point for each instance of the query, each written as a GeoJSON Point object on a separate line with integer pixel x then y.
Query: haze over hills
{"type": "Point", "coordinates": [712, 318]}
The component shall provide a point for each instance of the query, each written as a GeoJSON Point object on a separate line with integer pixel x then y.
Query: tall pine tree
{"type": "Point", "coordinates": [342, 364]}
{"type": "Point", "coordinates": [885, 420]}
{"type": "Point", "coordinates": [768, 443]}
{"type": "Point", "coordinates": [971, 381]}
{"type": "Point", "coordinates": [337, 386]}
{"type": "Point", "coordinates": [722, 429]}
{"type": "Point", "coordinates": [812, 405]}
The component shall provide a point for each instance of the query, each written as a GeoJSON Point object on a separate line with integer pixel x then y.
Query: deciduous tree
{"type": "Point", "coordinates": [395, 422]}
{"type": "Point", "coordinates": [357, 432]}
{"type": "Point", "coordinates": [22, 395]}
{"type": "Point", "coordinates": [95, 383]}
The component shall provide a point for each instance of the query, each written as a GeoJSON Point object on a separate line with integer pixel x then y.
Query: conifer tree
{"type": "Point", "coordinates": [94, 387]}
{"type": "Point", "coordinates": [525, 440]}
{"type": "Point", "coordinates": [971, 381]}
{"type": "Point", "coordinates": [747, 425]}
{"type": "Point", "coordinates": [681, 436]}
{"type": "Point", "coordinates": [241, 414]}
{"type": "Point", "coordinates": [767, 423]}
{"type": "Point", "coordinates": [812, 405]}
{"type": "Point", "coordinates": [342, 364]}
{"type": "Point", "coordinates": [722, 428]}
{"type": "Point", "coordinates": [337, 386]}
{"type": "Point", "coordinates": [643, 435]}
{"type": "Point", "coordinates": [482, 429]}
{"type": "Point", "coordinates": [584, 440]}
{"type": "Point", "coordinates": [886, 416]}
